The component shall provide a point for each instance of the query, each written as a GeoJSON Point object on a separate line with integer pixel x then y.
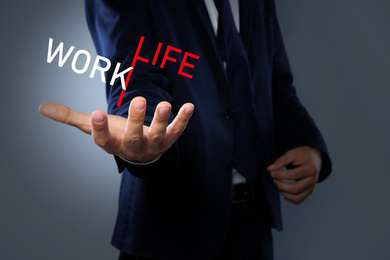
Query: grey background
{"type": "Point", "coordinates": [58, 191]}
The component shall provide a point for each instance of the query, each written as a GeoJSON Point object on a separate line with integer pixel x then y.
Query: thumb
{"type": "Point", "coordinates": [66, 115]}
{"type": "Point", "coordinates": [55, 111]}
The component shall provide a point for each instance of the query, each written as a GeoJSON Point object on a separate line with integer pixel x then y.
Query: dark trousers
{"type": "Point", "coordinates": [244, 241]}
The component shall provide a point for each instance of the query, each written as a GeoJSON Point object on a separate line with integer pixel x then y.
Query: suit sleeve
{"type": "Point", "coordinates": [116, 28]}
{"type": "Point", "coordinates": [294, 126]}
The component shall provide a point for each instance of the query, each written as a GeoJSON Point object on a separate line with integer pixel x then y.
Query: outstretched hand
{"type": "Point", "coordinates": [307, 162]}
{"type": "Point", "coordinates": [127, 138]}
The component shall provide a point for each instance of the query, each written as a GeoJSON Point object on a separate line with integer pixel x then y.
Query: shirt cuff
{"type": "Point", "coordinates": [146, 163]}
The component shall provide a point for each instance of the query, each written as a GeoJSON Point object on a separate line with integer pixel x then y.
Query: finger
{"type": "Point", "coordinates": [100, 132]}
{"type": "Point", "coordinates": [281, 162]}
{"type": "Point", "coordinates": [66, 115]}
{"type": "Point", "coordinates": [178, 125]}
{"type": "Point", "coordinates": [295, 173]}
{"type": "Point", "coordinates": [297, 199]}
{"type": "Point", "coordinates": [135, 124]}
{"type": "Point", "coordinates": [296, 187]}
{"type": "Point", "coordinates": [157, 129]}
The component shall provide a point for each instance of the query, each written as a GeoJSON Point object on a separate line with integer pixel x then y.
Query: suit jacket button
{"type": "Point", "coordinates": [229, 114]}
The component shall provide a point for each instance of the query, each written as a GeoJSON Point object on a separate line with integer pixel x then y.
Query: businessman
{"type": "Point", "coordinates": [203, 159]}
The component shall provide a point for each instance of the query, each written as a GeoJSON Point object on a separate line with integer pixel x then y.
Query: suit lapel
{"type": "Point", "coordinates": [204, 18]}
{"type": "Point", "coordinates": [246, 22]}
{"type": "Point", "coordinates": [203, 14]}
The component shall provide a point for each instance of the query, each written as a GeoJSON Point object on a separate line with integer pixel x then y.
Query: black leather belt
{"type": "Point", "coordinates": [242, 192]}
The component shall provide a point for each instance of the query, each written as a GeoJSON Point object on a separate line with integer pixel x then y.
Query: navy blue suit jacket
{"type": "Point", "coordinates": [179, 207]}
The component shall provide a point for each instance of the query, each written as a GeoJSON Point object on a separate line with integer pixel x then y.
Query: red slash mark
{"type": "Point", "coordinates": [136, 57]}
